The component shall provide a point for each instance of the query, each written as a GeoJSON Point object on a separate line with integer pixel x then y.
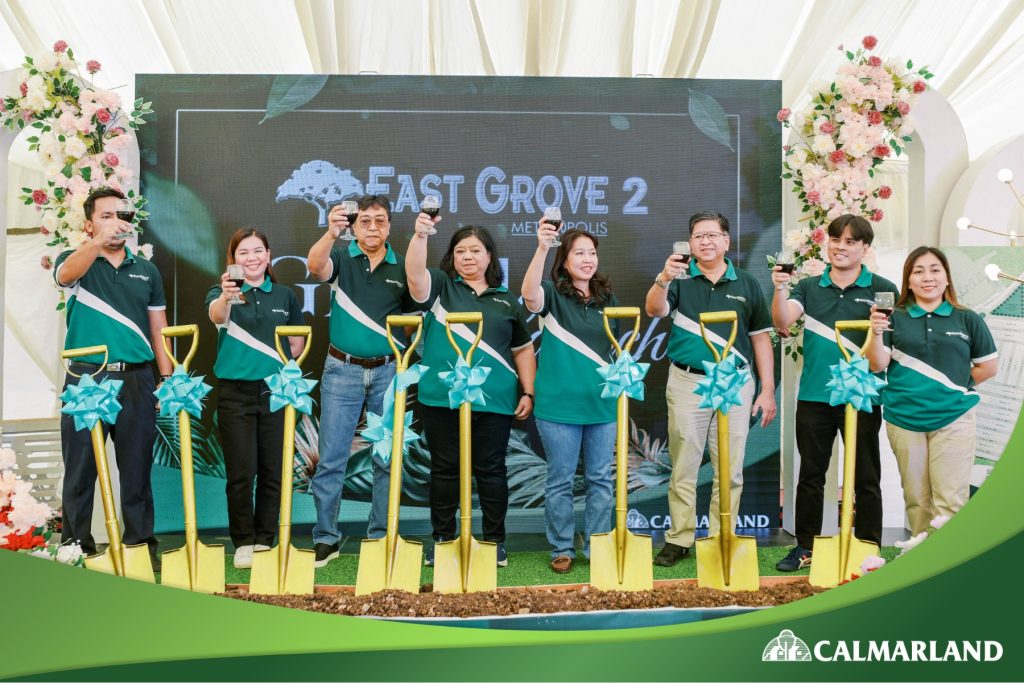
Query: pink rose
{"type": "Point", "coordinates": [783, 114]}
{"type": "Point", "coordinates": [111, 160]}
{"type": "Point", "coordinates": [39, 197]}
{"type": "Point", "coordinates": [117, 131]}
{"type": "Point", "coordinates": [881, 151]}
{"type": "Point", "coordinates": [875, 61]}
{"type": "Point", "coordinates": [813, 267]}
{"type": "Point", "coordinates": [818, 235]}
{"type": "Point", "coordinates": [23, 88]}
{"type": "Point", "coordinates": [43, 231]}
{"type": "Point", "coordinates": [3, 107]}
{"type": "Point", "coordinates": [92, 66]}
{"type": "Point", "coordinates": [837, 156]}
{"type": "Point", "coordinates": [813, 197]}
{"type": "Point", "coordinates": [827, 128]}
{"type": "Point", "coordinates": [46, 262]}
{"type": "Point", "coordinates": [874, 117]}
{"type": "Point", "coordinates": [903, 108]}
{"type": "Point", "coordinates": [885, 192]}
{"type": "Point", "coordinates": [877, 215]}
{"type": "Point", "coordinates": [869, 42]}
{"type": "Point", "coordinates": [103, 116]}
{"type": "Point", "coordinates": [920, 86]}
{"type": "Point", "coordinates": [60, 46]}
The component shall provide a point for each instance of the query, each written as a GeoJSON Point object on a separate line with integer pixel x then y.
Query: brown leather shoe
{"type": "Point", "coordinates": [562, 564]}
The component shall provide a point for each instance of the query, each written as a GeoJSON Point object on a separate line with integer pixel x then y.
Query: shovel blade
{"type": "Point", "coordinates": [101, 562]}
{"type": "Point", "coordinates": [637, 573]}
{"type": "Point", "coordinates": [372, 575]}
{"type": "Point", "coordinates": [483, 567]}
{"type": "Point", "coordinates": [743, 570]}
{"type": "Point", "coordinates": [137, 563]}
{"type": "Point", "coordinates": [209, 576]}
{"type": "Point", "coordinates": [265, 578]}
{"type": "Point", "coordinates": [826, 571]}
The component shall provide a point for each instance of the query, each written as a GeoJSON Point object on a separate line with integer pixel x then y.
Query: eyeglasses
{"type": "Point", "coordinates": [709, 236]}
{"type": "Point", "coordinates": [366, 222]}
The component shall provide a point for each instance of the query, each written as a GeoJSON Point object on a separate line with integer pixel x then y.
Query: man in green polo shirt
{"type": "Point", "coordinates": [714, 284]}
{"type": "Point", "coordinates": [367, 285]}
{"type": "Point", "coordinates": [845, 291]}
{"type": "Point", "coordinates": [116, 299]}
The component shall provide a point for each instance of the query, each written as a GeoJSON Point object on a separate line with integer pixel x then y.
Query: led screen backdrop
{"type": "Point", "coordinates": [626, 159]}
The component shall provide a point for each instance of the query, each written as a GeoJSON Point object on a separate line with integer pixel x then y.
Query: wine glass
{"type": "Point", "coordinates": [351, 210]}
{"type": "Point", "coordinates": [124, 209]}
{"type": "Point", "coordinates": [784, 259]}
{"type": "Point", "coordinates": [236, 273]}
{"type": "Point", "coordinates": [431, 205]}
{"type": "Point", "coordinates": [553, 216]}
{"type": "Point", "coordinates": [682, 248]}
{"type": "Point", "coordinates": [885, 302]}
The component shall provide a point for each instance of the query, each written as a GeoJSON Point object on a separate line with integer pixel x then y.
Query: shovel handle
{"type": "Point", "coordinates": [293, 331]}
{"type": "Point", "coordinates": [402, 359]}
{"type": "Point", "coordinates": [719, 317]}
{"type": "Point", "coordinates": [618, 313]}
{"type": "Point", "coordinates": [465, 318]}
{"type": "Point", "coordinates": [181, 331]}
{"type": "Point", "coordinates": [864, 325]}
{"type": "Point", "coordinates": [86, 351]}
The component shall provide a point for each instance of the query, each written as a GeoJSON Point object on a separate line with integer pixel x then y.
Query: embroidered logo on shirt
{"type": "Point", "coordinates": [962, 335]}
{"type": "Point", "coordinates": [279, 310]}
{"type": "Point", "coordinates": [139, 277]}
{"type": "Point", "coordinates": [395, 283]}
{"type": "Point", "coordinates": [866, 302]}
{"type": "Point", "coordinates": [502, 301]}
{"type": "Point", "coordinates": [738, 298]}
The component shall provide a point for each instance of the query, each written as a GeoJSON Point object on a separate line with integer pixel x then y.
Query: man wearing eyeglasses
{"type": "Point", "coordinates": [368, 284]}
{"type": "Point", "coordinates": [710, 283]}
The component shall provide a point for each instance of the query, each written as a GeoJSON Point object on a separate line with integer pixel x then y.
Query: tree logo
{"type": "Point", "coordinates": [321, 184]}
{"type": "Point", "coordinates": [786, 647]}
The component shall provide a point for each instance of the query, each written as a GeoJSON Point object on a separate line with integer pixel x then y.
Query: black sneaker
{"type": "Point", "coordinates": [502, 555]}
{"type": "Point", "coordinates": [798, 558]}
{"type": "Point", "coordinates": [325, 552]}
{"type": "Point", "coordinates": [670, 554]}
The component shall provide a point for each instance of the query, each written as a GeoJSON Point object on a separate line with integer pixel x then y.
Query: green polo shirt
{"type": "Point", "coordinates": [573, 345]}
{"type": "Point", "coordinates": [111, 306]}
{"type": "Point", "coordinates": [930, 382]}
{"type": "Point", "coordinates": [823, 303]}
{"type": "Point", "coordinates": [505, 331]}
{"type": "Point", "coordinates": [362, 299]}
{"type": "Point", "coordinates": [245, 343]}
{"type": "Point", "coordinates": [736, 290]}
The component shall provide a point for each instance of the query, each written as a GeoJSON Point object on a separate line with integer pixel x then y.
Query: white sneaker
{"type": "Point", "coordinates": [243, 556]}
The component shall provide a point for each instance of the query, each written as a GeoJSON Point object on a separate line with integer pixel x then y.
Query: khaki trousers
{"type": "Point", "coordinates": [689, 428]}
{"type": "Point", "coordinates": [935, 468]}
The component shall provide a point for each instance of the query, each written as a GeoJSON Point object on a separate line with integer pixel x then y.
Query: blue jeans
{"type": "Point", "coordinates": [562, 447]}
{"type": "Point", "coordinates": [344, 390]}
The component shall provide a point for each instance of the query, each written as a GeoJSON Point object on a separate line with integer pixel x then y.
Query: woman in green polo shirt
{"type": "Point", "coordinates": [470, 279]}
{"type": "Point", "coordinates": [569, 414]}
{"type": "Point", "coordinates": [936, 352]}
{"type": "Point", "coordinates": [250, 434]}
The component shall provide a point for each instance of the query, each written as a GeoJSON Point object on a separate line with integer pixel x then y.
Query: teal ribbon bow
{"type": "Point", "coordinates": [624, 375]}
{"type": "Point", "coordinates": [720, 389]}
{"type": "Point", "coordinates": [289, 388]}
{"type": "Point", "coordinates": [378, 427]}
{"type": "Point", "coordinates": [853, 383]}
{"type": "Point", "coordinates": [89, 402]}
{"type": "Point", "coordinates": [465, 384]}
{"type": "Point", "coordinates": [182, 391]}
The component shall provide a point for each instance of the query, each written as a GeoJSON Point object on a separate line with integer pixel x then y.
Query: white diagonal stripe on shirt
{"type": "Point", "coordinates": [550, 323]}
{"type": "Point", "coordinates": [822, 330]}
{"type": "Point", "coordinates": [463, 331]}
{"type": "Point", "coordinates": [90, 300]}
{"type": "Point", "coordinates": [236, 332]}
{"type": "Point", "coordinates": [922, 368]}
{"type": "Point", "coordinates": [357, 314]}
{"type": "Point", "coordinates": [681, 321]}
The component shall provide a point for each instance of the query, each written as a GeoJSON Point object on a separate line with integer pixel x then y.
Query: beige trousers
{"type": "Point", "coordinates": [689, 428]}
{"type": "Point", "coordinates": [935, 468]}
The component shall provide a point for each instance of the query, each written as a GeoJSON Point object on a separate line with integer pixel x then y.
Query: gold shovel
{"type": "Point", "coordinates": [132, 561]}
{"type": "Point", "coordinates": [392, 561]}
{"type": "Point", "coordinates": [726, 562]}
{"type": "Point", "coordinates": [196, 566]}
{"type": "Point", "coordinates": [465, 565]}
{"type": "Point", "coordinates": [619, 559]}
{"type": "Point", "coordinates": [285, 569]}
{"type": "Point", "coordinates": [838, 558]}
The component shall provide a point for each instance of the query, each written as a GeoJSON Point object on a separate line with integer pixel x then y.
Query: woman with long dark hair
{"type": "Point", "coordinates": [470, 279]}
{"type": "Point", "coordinates": [250, 434]}
{"type": "Point", "coordinates": [936, 352]}
{"type": "Point", "coordinates": [570, 411]}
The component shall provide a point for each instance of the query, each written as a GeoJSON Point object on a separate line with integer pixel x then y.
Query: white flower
{"type": "Point", "coordinates": [75, 220]}
{"type": "Point", "coordinates": [911, 543]}
{"type": "Point", "coordinates": [812, 267]}
{"type": "Point", "coordinates": [11, 485]}
{"type": "Point", "coordinates": [50, 221]}
{"type": "Point", "coordinates": [871, 563]}
{"type": "Point", "coordinates": [794, 239]}
{"type": "Point", "coordinates": [823, 144]}
{"type": "Point", "coordinates": [75, 147]}
{"type": "Point", "coordinates": [797, 159]}
{"type": "Point", "coordinates": [37, 101]}
{"type": "Point", "coordinates": [8, 459]}
{"type": "Point", "coordinates": [45, 61]}
{"type": "Point", "coordinates": [28, 513]}
{"type": "Point", "coordinates": [147, 251]}
{"type": "Point", "coordinates": [70, 553]}
{"type": "Point", "coordinates": [908, 126]}
{"type": "Point", "coordinates": [42, 553]}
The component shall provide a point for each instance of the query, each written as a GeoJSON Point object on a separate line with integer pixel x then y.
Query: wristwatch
{"type": "Point", "coordinates": [657, 281]}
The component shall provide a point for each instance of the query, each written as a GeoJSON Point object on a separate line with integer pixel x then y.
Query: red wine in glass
{"type": "Point", "coordinates": [887, 312]}
{"type": "Point", "coordinates": [237, 282]}
{"type": "Point", "coordinates": [554, 222]}
{"type": "Point", "coordinates": [126, 216]}
{"type": "Point", "coordinates": [431, 211]}
{"type": "Point", "coordinates": [786, 268]}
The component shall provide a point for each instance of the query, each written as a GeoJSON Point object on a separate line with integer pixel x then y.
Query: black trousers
{"type": "Point", "coordinates": [490, 447]}
{"type": "Point", "coordinates": [252, 438]}
{"type": "Point", "coordinates": [133, 434]}
{"type": "Point", "coordinates": [816, 427]}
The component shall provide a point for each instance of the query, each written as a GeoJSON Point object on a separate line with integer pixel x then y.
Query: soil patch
{"type": "Point", "coordinates": [533, 600]}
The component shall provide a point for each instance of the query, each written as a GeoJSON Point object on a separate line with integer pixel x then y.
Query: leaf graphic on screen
{"type": "Point", "coordinates": [288, 93]}
{"type": "Point", "coordinates": [181, 223]}
{"type": "Point", "coordinates": [709, 117]}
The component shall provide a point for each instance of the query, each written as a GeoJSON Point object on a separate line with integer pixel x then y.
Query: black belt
{"type": "Point", "coordinates": [110, 367]}
{"type": "Point", "coordinates": [700, 371]}
{"type": "Point", "coordinates": [356, 360]}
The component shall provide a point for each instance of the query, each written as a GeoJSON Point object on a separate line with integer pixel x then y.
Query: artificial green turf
{"type": "Point", "coordinates": [531, 569]}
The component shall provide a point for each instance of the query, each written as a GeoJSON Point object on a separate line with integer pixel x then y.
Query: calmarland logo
{"type": "Point", "coordinates": [139, 277]}
{"type": "Point", "coordinates": [396, 283]}
{"type": "Point", "coordinates": [962, 335]}
{"type": "Point", "coordinates": [321, 184]}
{"type": "Point", "coordinates": [786, 647]}
{"type": "Point", "coordinates": [636, 520]}
{"type": "Point", "coordinates": [279, 310]}
{"type": "Point", "coordinates": [738, 298]}
{"type": "Point", "coordinates": [502, 301]}
{"type": "Point", "coordinates": [866, 302]}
